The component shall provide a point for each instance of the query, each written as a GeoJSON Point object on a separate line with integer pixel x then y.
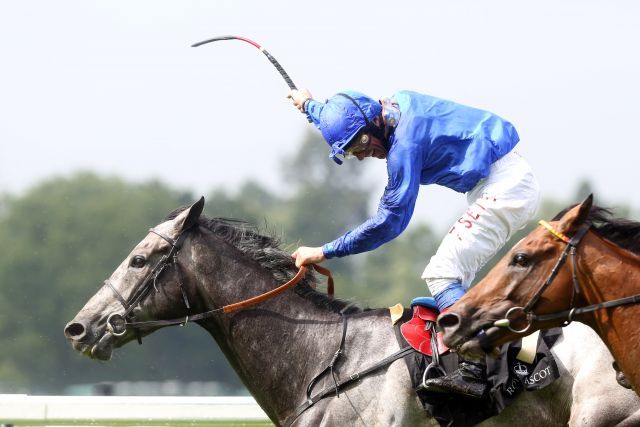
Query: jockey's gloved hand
{"type": "Point", "coordinates": [305, 255]}
{"type": "Point", "coordinates": [299, 97]}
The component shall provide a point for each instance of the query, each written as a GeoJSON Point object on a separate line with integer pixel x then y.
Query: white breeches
{"type": "Point", "coordinates": [499, 205]}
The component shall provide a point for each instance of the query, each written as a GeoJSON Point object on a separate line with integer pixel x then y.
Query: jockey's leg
{"type": "Point", "coordinates": [499, 205]}
{"type": "Point", "coordinates": [449, 295]}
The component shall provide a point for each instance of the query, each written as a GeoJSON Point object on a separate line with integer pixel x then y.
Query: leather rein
{"type": "Point", "coordinates": [567, 316]}
{"type": "Point", "coordinates": [117, 323]}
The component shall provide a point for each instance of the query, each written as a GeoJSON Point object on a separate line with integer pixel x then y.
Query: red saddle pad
{"type": "Point", "coordinates": [415, 331]}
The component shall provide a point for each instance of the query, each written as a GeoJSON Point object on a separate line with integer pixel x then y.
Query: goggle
{"type": "Point", "coordinates": [358, 146]}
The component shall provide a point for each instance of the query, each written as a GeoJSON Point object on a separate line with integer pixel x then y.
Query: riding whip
{"type": "Point", "coordinates": [273, 60]}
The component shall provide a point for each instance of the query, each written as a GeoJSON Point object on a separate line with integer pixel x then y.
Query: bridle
{"type": "Point", "coordinates": [570, 249]}
{"type": "Point", "coordinates": [567, 316]}
{"type": "Point", "coordinates": [117, 323]}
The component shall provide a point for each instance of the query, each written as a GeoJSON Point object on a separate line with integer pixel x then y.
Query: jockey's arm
{"type": "Point", "coordinates": [394, 210]}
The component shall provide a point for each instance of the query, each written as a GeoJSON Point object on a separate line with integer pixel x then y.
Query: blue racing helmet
{"type": "Point", "coordinates": [343, 116]}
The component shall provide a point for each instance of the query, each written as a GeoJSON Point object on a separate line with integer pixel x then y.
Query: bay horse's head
{"type": "Point", "coordinates": [528, 278]}
{"type": "Point", "coordinates": [148, 284]}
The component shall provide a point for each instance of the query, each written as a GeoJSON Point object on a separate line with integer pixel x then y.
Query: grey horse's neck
{"type": "Point", "coordinates": [276, 351]}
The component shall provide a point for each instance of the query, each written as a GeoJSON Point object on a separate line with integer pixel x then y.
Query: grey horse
{"type": "Point", "coordinates": [191, 264]}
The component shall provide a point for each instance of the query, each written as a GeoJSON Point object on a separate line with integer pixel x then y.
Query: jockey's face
{"type": "Point", "coordinates": [374, 149]}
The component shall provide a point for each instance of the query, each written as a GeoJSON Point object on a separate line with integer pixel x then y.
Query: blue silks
{"type": "Point", "coordinates": [435, 142]}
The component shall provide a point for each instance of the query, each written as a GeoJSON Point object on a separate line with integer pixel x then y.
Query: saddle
{"type": "Point", "coordinates": [418, 331]}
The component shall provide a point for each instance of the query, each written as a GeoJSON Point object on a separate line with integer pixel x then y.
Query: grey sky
{"type": "Point", "coordinates": [113, 86]}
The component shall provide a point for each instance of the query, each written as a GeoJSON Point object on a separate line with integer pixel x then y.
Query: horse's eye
{"type": "Point", "coordinates": [138, 261]}
{"type": "Point", "coordinates": [520, 259]}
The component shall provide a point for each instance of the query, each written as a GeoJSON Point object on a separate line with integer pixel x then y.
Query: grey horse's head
{"type": "Point", "coordinates": [145, 286]}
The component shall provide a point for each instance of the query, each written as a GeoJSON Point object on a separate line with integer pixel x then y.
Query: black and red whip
{"type": "Point", "coordinates": [273, 60]}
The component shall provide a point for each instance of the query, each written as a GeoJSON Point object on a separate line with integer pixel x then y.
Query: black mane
{"type": "Point", "coordinates": [265, 250]}
{"type": "Point", "coordinates": [621, 231]}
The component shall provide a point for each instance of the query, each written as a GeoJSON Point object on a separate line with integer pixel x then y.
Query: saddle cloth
{"type": "Point", "coordinates": [417, 331]}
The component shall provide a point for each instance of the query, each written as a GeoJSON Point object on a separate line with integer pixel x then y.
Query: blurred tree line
{"type": "Point", "coordinates": [62, 238]}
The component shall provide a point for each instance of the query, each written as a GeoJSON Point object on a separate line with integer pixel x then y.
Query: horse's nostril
{"type": "Point", "coordinates": [74, 330]}
{"type": "Point", "coordinates": [448, 320]}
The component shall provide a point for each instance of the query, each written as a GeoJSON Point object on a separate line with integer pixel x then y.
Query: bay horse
{"type": "Point", "coordinates": [582, 266]}
{"type": "Point", "coordinates": [192, 264]}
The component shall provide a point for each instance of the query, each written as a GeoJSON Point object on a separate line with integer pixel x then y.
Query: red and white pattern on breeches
{"type": "Point", "coordinates": [499, 205]}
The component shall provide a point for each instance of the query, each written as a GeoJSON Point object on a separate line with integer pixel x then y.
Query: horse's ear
{"type": "Point", "coordinates": [576, 216]}
{"type": "Point", "coordinates": [189, 217]}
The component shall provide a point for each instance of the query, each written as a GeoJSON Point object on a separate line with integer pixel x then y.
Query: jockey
{"type": "Point", "coordinates": [428, 140]}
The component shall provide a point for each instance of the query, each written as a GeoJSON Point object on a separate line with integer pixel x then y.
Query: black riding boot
{"type": "Point", "coordinates": [470, 380]}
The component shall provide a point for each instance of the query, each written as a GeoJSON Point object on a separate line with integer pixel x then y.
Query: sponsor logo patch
{"type": "Point", "coordinates": [520, 369]}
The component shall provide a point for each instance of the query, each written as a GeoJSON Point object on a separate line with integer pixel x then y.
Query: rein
{"type": "Point", "coordinates": [117, 323]}
{"type": "Point", "coordinates": [230, 308]}
{"type": "Point", "coordinates": [567, 315]}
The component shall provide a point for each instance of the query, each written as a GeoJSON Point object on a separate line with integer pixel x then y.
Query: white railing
{"type": "Point", "coordinates": [25, 410]}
